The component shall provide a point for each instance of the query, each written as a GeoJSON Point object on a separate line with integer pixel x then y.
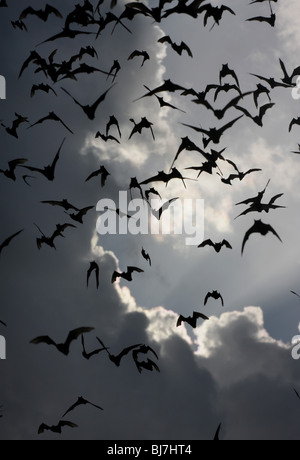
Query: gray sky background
{"type": "Point", "coordinates": [236, 368]}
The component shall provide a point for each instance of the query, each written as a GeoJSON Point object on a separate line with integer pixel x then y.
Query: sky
{"type": "Point", "coordinates": [236, 368]}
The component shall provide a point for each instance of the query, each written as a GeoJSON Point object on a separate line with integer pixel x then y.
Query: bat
{"type": "Point", "coordinates": [142, 54]}
{"type": "Point", "coordinates": [63, 204]}
{"type": "Point", "coordinates": [214, 295]}
{"type": "Point", "coordinates": [36, 59]}
{"type": "Point", "coordinates": [19, 25]}
{"type": "Point", "coordinates": [145, 349]}
{"type": "Point", "coordinates": [269, 20]}
{"type": "Point", "coordinates": [90, 110]}
{"type": "Point", "coordinates": [49, 241]}
{"type": "Point", "coordinates": [8, 240]}
{"type": "Point", "coordinates": [257, 199]}
{"type": "Point", "coordinates": [82, 69]}
{"type": "Point", "coordinates": [220, 113]}
{"type": "Point", "coordinates": [106, 138]}
{"type": "Point", "coordinates": [102, 171]}
{"type": "Point", "coordinates": [134, 184]}
{"type": "Point", "coordinates": [258, 119]}
{"type": "Point", "coordinates": [166, 178]}
{"type": "Point", "coordinates": [261, 228]}
{"type": "Point", "coordinates": [86, 355]}
{"type": "Point", "coordinates": [126, 275]}
{"type": "Point", "coordinates": [56, 428]}
{"type": "Point", "coordinates": [177, 48]}
{"type": "Point", "coordinates": [167, 86]}
{"type": "Point", "coordinates": [163, 103]}
{"type": "Point", "coordinates": [94, 267]}
{"type": "Point", "coordinates": [158, 213]}
{"type": "Point", "coordinates": [146, 257]}
{"type": "Point", "coordinates": [144, 124]}
{"type": "Point", "coordinates": [188, 145]}
{"type": "Point", "coordinates": [147, 365]}
{"type": "Point", "coordinates": [51, 117]}
{"type": "Point", "coordinates": [191, 320]}
{"type": "Point", "coordinates": [295, 121]}
{"type": "Point", "coordinates": [49, 170]}
{"type": "Point", "coordinates": [78, 217]}
{"type": "Point", "coordinates": [113, 122]}
{"type": "Point", "coordinates": [152, 191]}
{"type": "Point", "coordinates": [63, 348]}
{"type": "Point", "coordinates": [260, 207]}
{"type": "Point", "coordinates": [222, 88]}
{"type": "Point", "coordinates": [41, 14]}
{"type": "Point", "coordinates": [215, 12]}
{"type": "Point", "coordinates": [115, 68]}
{"type": "Point", "coordinates": [42, 87]}
{"type": "Point", "coordinates": [12, 165]}
{"type": "Point", "coordinates": [15, 125]}
{"type": "Point", "coordinates": [225, 72]}
{"type": "Point", "coordinates": [217, 246]}
{"type": "Point", "coordinates": [217, 435]}
{"type": "Point", "coordinates": [65, 33]}
{"type": "Point", "coordinates": [116, 359]}
{"type": "Point", "coordinates": [271, 81]}
{"type": "Point", "coordinates": [80, 402]}
{"type": "Point", "coordinates": [261, 89]}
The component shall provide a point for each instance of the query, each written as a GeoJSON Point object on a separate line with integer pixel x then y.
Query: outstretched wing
{"type": "Point", "coordinates": [226, 244]}
{"type": "Point", "coordinates": [131, 270]}
{"type": "Point", "coordinates": [73, 335]}
{"type": "Point", "coordinates": [206, 243]}
{"type": "Point", "coordinates": [8, 240]}
{"type": "Point", "coordinates": [43, 339]}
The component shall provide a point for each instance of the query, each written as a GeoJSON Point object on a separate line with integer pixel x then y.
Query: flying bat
{"type": "Point", "coordinates": [63, 204]}
{"type": "Point", "coordinates": [106, 138]}
{"type": "Point", "coordinates": [269, 20]}
{"type": "Point", "coordinates": [214, 295]}
{"type": "Point", "coordinates": [56, 428]}
{"type": "Point", "coordinates": [126, 275]}
{"type": "Point", "coordinates": [42, 87]}
{"type": "Point", "coordinates": [41, 14]}
{"type": "Point", "coordinates": [261, 89]}
{"type": "Point", "coordinates": [90, 110]}
{"type": "Point", "coordinates": [49, 241]}
{"type": "Point", "coordinates": [102, 171]}
{"type": "Point", "coordinates": [15, 125]}
{"type": "Point", "coordinates": [51, 117]}
{"type": "Point", "coordinates": [260, 207]}
{"type": "Point", "coordinates": [158, 213]}
{"type": "Point", "coordinates": [215, 12]}
{"type": "Point", "coordinates": [225, 72]}
{"type": "Point", "coordinates": [80, 402]}
{"type": "Point", "coordinates": [113, 122]}
{"type": "Point", "coordinates": [138, 127]}
{"type": "Point", "coordinates": [114, 68]}
{"type": "Point", "coordinates": [163, 103]}
{"type": "Point", "coordinates": [142, 54]}
{"type": "Point", "coordinates": [35, 58]}
{"type": "Point", "coordinates": [78, 217]}
{"type": "Point", "coordinates": [258, 119]}
{"type": "Point", "coordinates": [12, 165]}
{"type": "Point", "coordinates": [116, 359]}
{"type": "Point", "coordinates": [217, 246]}
{"type": "Point", "coordinates": [134, 184]}
{"type": "Point", "coordinates": [288, 79]}
{"type": "Point", "coordinates": [66, 33]}
{"type": "Point", "coordinates": [257, 199]}
{"type": "Point", "coordinates": [8, 240]}
{"type": "Point", "coordinates": [86, 355]}
{"type": "Point", "coordinates": [271, 81]}
{"type": "Point", "coordinates": [261, 228]}
{"type": "Point", "coordinates": [49, 170]}
{"type": "Point", "coordinates": [19, 25]}
{"type": "Point", "coordinates": [222, 88]}
{"type": "Point", "coordinates": [154, 192]}
{"type": "Point", "coordinates": [63, 348]}
{"type": "Point", "coordinates": [94, 267]}
{"type": "Point", "coordinates": [217, 435]}
{"type": "Point", "coordinates": [146, 256]}
{"type": "Point", "coordinates": [166, 178]}
{"type": "Point", "coordinates": [188, 145]}
{"type": "Point", "coordinates": [295, 121]}
{"type": "Point", "coordinates": [177, 48]}
{"type": "Point", "coordinates": [191, 320]}
{"type": "Point", "coordinates": [167, 86]}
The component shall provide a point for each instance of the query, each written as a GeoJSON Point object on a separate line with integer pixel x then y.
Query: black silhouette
{"type": "Point", "coordinates": [3, 4]}
{"type": "Point", "coordinates": [260, 207]}
{"type": "Point", "coordinates": [146, 256]}
{"type": "Point", "coordinates": [90, 110]}
{"type": "Point", "coordinates": [298, 152]}
{"type": "Point", "coordinates": [214, 135]}
{"type": "Point", "coordinates": [143, 124]}
{"type": "Point", "coordinates": [166, 178]}
{"type": "Point", "coordinates": [289, 79]}
{"type": "Point", "coordinates": [56, 428]}
{"type": "Point", "coordinates": [168, 86]}
{"type": "Point", "coordinates": [211, 162]}
{"type": "Point", "coordinates": [16, 123]}
{"type": "Point", "coordinates": [78, 217]}
{"type": "Point", "coordinates": [163, 103]}
{"type": "Point", "coordinates": [225, 72]}
{"type": "Point", "coordinates": [51, 117]}
{"type": "Point", "coordinates": [116, 359]}
{"type": "Point", "coordinates": [188, 145]}
{"type": "Point", "coordinates": [48, 171]}
{"type": "Point", "coordinates": [148, 365]}
{"type": "Point", "coordinates": [49, 241]}
{"type": "Point", "coordinates": [191, 320]}
{"type": "Point", "coordinates": [80, 402]}
{"type": "Point", "coordinates": [224, 88]}
{"type": "Point", "coordinates": [295, 121]}
{"type": "Point", "coordinates": [182, 8]}
{"type": "Point", "coordinates": [269, 20]}
{"type": "Point", "coordinates": [36, 59]}
{"type": "Point", "coordinates": [113, 122]}
{"type": "Point", "coordinates": [257, 199]}
{"type": "Point", "coordinates": [63, 348]}
{"type": "Point", "coordinates": [217, 435]}
{"type": "Point", "coordinates": [295, 293]}
{"type": "Point", "coordinates": [271, 81]}
{"type": "Point", "coordinates": [41, 14]}
{"type": "Point", "coordinates": [134, 184]}
{"type": "Point", "coordinates": [154, 192]}
{"type": "Point", "coordinates": [8, 240]}
{"type": "Point", "coordinates": [240, 174]}
{"type": "Point", "coordinates": [66, 33]}
{"type": "Point", "coordinates": [177, 48]}
{"type": "Point", "coordinates": [19, 25]}
{"type": "Point", "coordinates": [116, 69]}
{"type": "Point", "coordinates": [261, 228]}
{"type": "Point", "coordinates": [101, 171]}
{"type": "Point", "coordinates": [82, 69]}
{"type": "Point", "coordinates": [158, 213]}
{"type": "Point", "coordinates": [261, 89]}
{"type": "Point", "coordinates": [215, 12]}
{"type": "Point", "coordinates": [258, 119]}
{"type": "Point", "coordinates": [106, 138]}
{"type": "Point", "coordinates": [217, 246]}
{"type": "Point", "coordinates": [220, 113]}
{"type": "Point", "coordinates": [142, 54]}
{"type": "Point", "coordinates": [126, 275]}
{"type": "Point", "coordinates": [214, 295]}
{"type": "Point", "coordinates": [63, 204]}
{"type": "Point", "coordinates": [94, 267]}
{"type": "Point", "coordinates": [3, 323]}
{"type": "Point", "coordinates": [42, 87]}
{"type": "Point", "coordinates": [86, 355]}
{"type": "Point", "coordinates": [12, 165]}
{"type": "Point", "coordinates": [27, 177]}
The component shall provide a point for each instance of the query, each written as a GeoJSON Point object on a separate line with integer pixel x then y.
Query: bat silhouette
{"type": "Point", "coordinates": [225, 72]}
{"type": "Point", "coordinates": [116, 359]}
{"type": "Point", "coordinates": [271, 82]}
{"type": "Point", "coordinates": [86, 355]}
{"type": "Point", "coordinates": [56, 428]}
{"type": "Point", "coordinates": [8, 240]}
{"type": "Point", "coordinates": [214, 295]}
{"type": "Point", "coordinates": [261, 89]}
{"type": "Point", "coordinates": [3, 4]}
{"type": "Point", "coordinates": [142, 54]}
{"type": "Point", "coordinates": [41, 87]}
{"type": "Point", "coordinates": [261, 228]}
{"type": "Point", "coordinates": [261, 1]}
{"type": "Point", "coordinates": [15, 125]}
{"type": "Point", "coordinates": [145, 349]}
{"type": "Point", "coordinates": [215, 12]}
{"type": "Point", "coordinates": [63, 348]}
{"type": "Point", "coordinates": [154, 192]}
{"type": "Point", "coordinates": [258, 119]}
{"type": "Point", "coordinates": [80, 402]}
{"type": "Point", "coordinates": [217, 435]}
{"type": "Point", "coordinates": [220, 113]}
{"type": "Point", "coordinates": [191, 320]}
{"type": "Point", "coordinates": [295, 121]}
{"type": "Point", "coordinates": [257, 199]}
{"type": "Point", "coordinates": [260, 207]}
{"type": "Point", "coordinates": [241, 175]}
{"type": "Point", "coordinates": [3, 323]}
{"type": "Point", "coordinates": [82, 69]}
{"type": "Point", "coordinates": [269, 20]}
{"type": "Point", "coordinates": [177, 48]}
{"type": "Point", "coordinates": [167, 86]}
{"type": "Point", "coordinates": [102, 171]}
{"type": "Point", "coordinates": [295, 293]}
{"type": "Point", "coordinates": [147, 365]}
{"type": "Point", "coordinates": [134, 184]}
{"type": "Point", "coordinates": [166, 178]}
{"type": "Point", "coordinates": [27, 177]}
{"type": "Point", "coordinates": [90, 110]}
{"type": "Point", "coordinates": [49, 170]}
{"type": "Point", "coordinates": [65, 33]}
{"type": "Point", "coordinates": [106, 138]}
{"type": "Point", "coordinates": [188, 145]}
{"type": "Point", "coordinates": [41, 14]}
{"type": "Point", "coordinates": [288, 79]}
{"type": "Point", "coordinates": [214, 135]}
{"type": "Point", "coordinates": [225, 88]}
{"type": "Point", "coordinates": [110, 18]}
{"type": "Point", "coordinates": [63, 204]}
{"type": "Point", "coordinates": [217, 246]}
{"type": "Point", "coordinates": [78, 217]}
{"type": "Point", "coordinates": [126, 275]}
{"type": "Point", "coordinates": [19, 25]}
{"type": "Point", "coordinates": [94, 267]}
{"type": "Point", "coordinates": [113, 122]}
{"type": "Point", "coordinates": [163, 103]}
{"type": "Point", "coordinates": [138, 127]}
{"type": "Point", "coordinates": [49, 241]}
{"type": "Point", "coordinates": [146, 256]}
{"type": "Point", "coordinates": [12, 165]}
{"type": "Point", "coordinates": [182, 8]}
{"type": "Point", "coordinates": [51, 117]}
{"type": "Point", "coordinates": [158, 213]}
{"type": "Point", "coordinates": [115, 68]}
{"type": "Point", "coordinates": [133, 9]}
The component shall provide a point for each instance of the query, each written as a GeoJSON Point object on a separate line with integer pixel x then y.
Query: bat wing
{"type": "Point", "coordinates": [200, 315]}
{"type": "Point", "coordinates": [127, 350]}
{"type": "Point", "coordinates": [247, 236]}
{"type": "Point", "coordinates": [259, 19]}
{"type": "Point", "coordinates": [42, 428]}
{"type": "Point", "coordinates": [26, 12]}
{"type": "Point", "coordinates": [73, 335]}
{"type": "Point", "coordinates": [135, 54]}
{"type": "Point", "coordinates": [51, 10]}
{"type": "Point", "coordinates": [226, 8]}
{"type": "Point", "coordinates": [180, 320]}
{"type": "Point", "coordinates": [78, 403]}
{"type": "Point", "coordinates": [208, 296]}
{"type": "Point", "coordinates": [157, 178]}
{"type": "Point", "coordinates": [8, 240]}
{"type": "Point", "coordinates": [131, 270]}
{"type": "Point", "coordinates": [226, 244]}
{"type": "Point", "coordinates": [275, 198]}
{"type": "Point", "coordinates": [56, 158]}
{"type": "Point", "coordinates": [165, 39]}
{"type": "Point", "coordinates": [206, 243]}
{"type": "Point", "coordinates": [166, 206]}
{"type": "Point", "coordinates": [185, 47]}
{"type": "Point", "coordinates": [269, 228]}
{"type": "Point", "coordinates": [263, 110]}
{"type": "Point", "coordinates": [115, 276]}
{"type": "Point", "coordinates": [217, 435]}
{"type": "Point", "coordinates": [230, 124]}
{"type": "Point", "coordinates": [3, 323]}
{"type": "Point", "coordinates": [43, 339]}
{"type": "Point", "coordinates": [64, 423]}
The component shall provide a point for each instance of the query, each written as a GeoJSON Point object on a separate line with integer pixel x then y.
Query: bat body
{"type": "Point", "coordinates": [191, 320]}
{"type": "Point", "coordinates": [214, 295]}
{"type": "Point", "coordinates": [90, 110]}
{"type": "Point", "coordinates": [106, 138]}
{"type": "Point", "coordinates": [142, 54]}
{"type": "Point", "coordinates": [100, 172]}
{"type": "Point", "coordinates": [261, 228]}
{"type": "Point", "coordinates": [258, 119]}
{"type": "Point", "coordinates": [41, 14]}
{"type": "Point", "coordinates": [168, 86]}
{"type": "Point", "coordinates": [15, 125]}
{"type": "Point", "coordinates": [113, 122]}
{"type": "Point", "coordinates": [94, 267]}
{"type": "Point", "coordinates": [260, 207]}
{"type": "Point", "coordinates": [78, 217]}
{"type": "Point", "coordinates": [166, 178]}
{"type": "Point", "coordinates": [12, 165]}
{"type": "Point", "coordinates": [225, 72]}
{"type": "Point", "coordinates": [63, 348]}
{"type": "Point", "coordinates": [138, 127]}
{"type": "Point", "coordinates": [269, 20]}
{"type": "Point", "coordinates": [49, 241]}
{"type": "Point", "coordinates": [154, 192]}
{"type": "Point", "coordinates": [134, 184]}
{"type": "Point", "coordinates": [42, 87]}
{"type": "Point", "coordinates": [147, 365]}
{"type": "Point", "coordinates": [215, 12]}
{"type": "Point", "coordinates": [217, 246]}
{"type": "Point", "coordinates": [116, 359]}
